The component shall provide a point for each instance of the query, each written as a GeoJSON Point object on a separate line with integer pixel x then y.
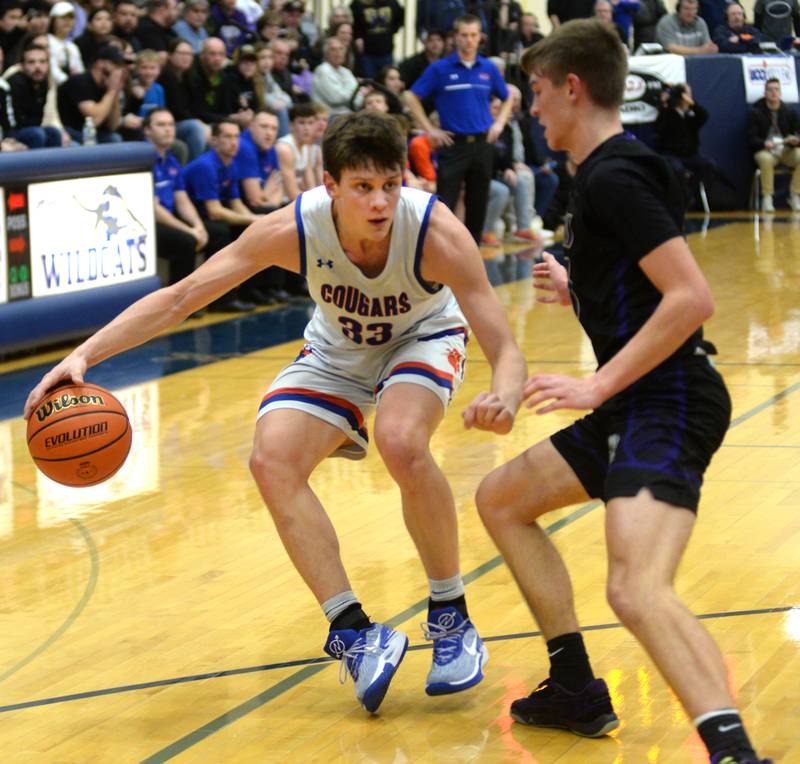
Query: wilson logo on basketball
{"type": "Point", "coordinates": [65, 402]}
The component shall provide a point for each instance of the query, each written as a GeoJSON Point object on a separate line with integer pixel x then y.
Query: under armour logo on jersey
{"type": "Point", "coordinates": [613, 442]}
{"type": "Point", "coordinates": [321, 262]}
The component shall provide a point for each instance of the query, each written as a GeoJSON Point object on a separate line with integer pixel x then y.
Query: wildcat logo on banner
{"type": "Point", "coordinates": [647, 77]}
{"type": "Point", "coordinates": [756, 70]}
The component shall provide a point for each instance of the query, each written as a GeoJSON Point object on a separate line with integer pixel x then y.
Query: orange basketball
{"type": "Point", "coordinates": [79, 435]}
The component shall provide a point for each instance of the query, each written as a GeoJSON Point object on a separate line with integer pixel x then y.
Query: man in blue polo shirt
{"type": "Point", "coordinates": [212, 182]}
{"type": "Point", "coordinates": [462, 86]}
{"type": "Point", "coordinates": [257, 164]}
{"type": "Point", "coordinates": [180, 232]}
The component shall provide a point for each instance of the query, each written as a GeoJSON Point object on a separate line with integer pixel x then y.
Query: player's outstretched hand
{"type": "Point", "coordinates": [563, 392]}
{"type": "Point", "coordinates": [72, 368]}
{"type": "Point", "coordinates": [488, 412]}
{"type": "Point", "coordinates": [551, 277]}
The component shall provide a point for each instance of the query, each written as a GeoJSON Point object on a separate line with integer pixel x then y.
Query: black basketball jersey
{"type": "Point", "coordinates": [626, 201]}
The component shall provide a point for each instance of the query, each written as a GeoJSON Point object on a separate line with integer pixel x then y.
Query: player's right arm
{"type": "Point", "coordinates": [273, 240]}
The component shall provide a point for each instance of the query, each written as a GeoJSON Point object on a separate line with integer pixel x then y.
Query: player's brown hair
{"type": "Point", "coordinates": [588, 48]}
{"type": "Point", "coordinates": [363, 139]}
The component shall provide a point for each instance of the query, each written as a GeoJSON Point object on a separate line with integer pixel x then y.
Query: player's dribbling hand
{"type": "Point", "coordinates": [551, 277]}
{"type": "Point", "coordinates": [562, 391]}
{"type": "Point", "coordinates": [71, 368]}
{"type": "Point", "coordinates": [488, 412]}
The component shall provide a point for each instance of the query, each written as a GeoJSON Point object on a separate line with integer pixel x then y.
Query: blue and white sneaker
{"type": "Point", "coordinates": [370, 656]}
{"type": "Point", "coordinates": [459, 654]}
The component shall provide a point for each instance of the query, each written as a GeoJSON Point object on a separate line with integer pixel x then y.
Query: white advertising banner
{"type": "Point", "coordinates": [756, 70]}
{"type": "Point", "coordinates": [647, 77]}
{"type": "Point", "coordinates": [91, 232]}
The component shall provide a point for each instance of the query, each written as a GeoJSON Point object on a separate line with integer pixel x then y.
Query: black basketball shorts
{"type": "Point", "coordinates": [660, 434]}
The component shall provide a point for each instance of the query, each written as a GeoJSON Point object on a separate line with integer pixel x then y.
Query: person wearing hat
{"type": "Point", "coordinates": [192, 24]}
{"type": "Point", "coordinates": [95, 94]}
{"type": "Point", "coordinates": [411, 68]}
{"type": "Point", "coordinates": [243, 88]}
{"type": "Point", "coordinates": [65, 57]}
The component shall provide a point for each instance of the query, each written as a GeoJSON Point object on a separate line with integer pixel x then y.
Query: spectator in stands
{"type": "Point", "coordinates": [231, 26]}
{"type": "Point", "coordinates": [25, 106]}
{"type": "Point", "coordinates": [281, 72]}
{"type": "Point", "coordinates": [300, 158]}
{"type": "Point", "coordinates": [422, 157]}
{"type": "Point", "coordinates": [645, 21]}
{"type": "Point", "coordinates": [735, 36]}
{"type": "Point", "coordinates": [65, 58]}
{"type": "Point", "coordinates": [774, 137]}
{"type": "Point", "coordinates": [624, 12]}
{"type": "Point", "coordinates": [561, 11]}
{"type": "Point", "coordinates": [175, 80]}
{"type": "Point", "coordinates": [604, 10]}
{"type": "Point", "coordinates": [468, 129]}
{"type": "Point", "coordinates": [528, 33]}
{"type": "Point", "coordinates": [322, 116]}
{"type": "Point", "coordinates": [375, 23]}
{"type": "Point", "coordinates": [411, 69]}
{"type": "Point", "coordinates": [206, 86]}
{"type": "Point", "coordinates": [192, 24]}
{"type": "Point", "coordinates": [518, 181]}
{"type": "Point", "coordinates": [243, 86]}
{"type": "Point", "coordinates": [334, 83]}
{"type": "Point", "coordinates": [504, 20]}
{"type": "Point", "coordinates": [180, 233]}
{"type": "Point", "coordinates": [126, 22]}
{"type": "Point", "coordinates": [143, 94]}
{"type": "Point", "coordinates": [268, 27]}
{"type": "Point", "coordinates": [212, 183]}
{"type": "Point", "coordinates": [37, 19]}
{"type": "Point", "coordinates": [778, 20]}
{"type": "Point", "coordinates": [95, 94]}
{"type": "Point", "coordinates": [275, 98]}
{"type": "Point", "coordinates": [257, 164]}
{"type": "Point", "coordinates": [437, 14]}
{"type": "Point", "coordinates": [292, 18]}
{"type": "Point", "coordinates": [677, 129]}
{"type": "Point", "coordinates": [684, 32]}
{"type": "Point", "coordinates": [95, 36]}
{"type": "Point", "coordinates": [12, 29]}
{"type": "Point", "coordinates": [155, 28]}
{"type": "Point", "coordinates": [376, 100]}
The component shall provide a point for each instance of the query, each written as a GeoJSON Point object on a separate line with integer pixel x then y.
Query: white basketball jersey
{"type": "Point", "coordinates": [355, 312]}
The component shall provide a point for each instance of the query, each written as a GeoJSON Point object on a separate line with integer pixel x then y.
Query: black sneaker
{"type": "Point", "coordinates": [738, 757]}
{"type": "Point", "coordinates": [588, 712]}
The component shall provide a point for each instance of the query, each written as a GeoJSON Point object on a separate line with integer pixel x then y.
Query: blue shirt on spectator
{"type": "Point", "coordinates": [154, 98]}
{"type": "Point", "coordinates": [208, 179]}
{"type": "Point", "coordinates": [185, 32]}
{"type": "Point", "coordinates": [462, 93]}
{"type": "Point", "coordinates": [252, 162]}
{"type": "Point", "coordinates": [168, 178]}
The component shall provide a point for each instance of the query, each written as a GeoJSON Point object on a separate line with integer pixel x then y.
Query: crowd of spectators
{"type": "Point", "coordinates": [235, 96]}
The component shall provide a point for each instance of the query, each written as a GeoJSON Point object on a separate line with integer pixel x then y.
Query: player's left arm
{"type": "Point", "coordinates": [450, 256]}
{"type": "Point", "coordinates": [685, 305]}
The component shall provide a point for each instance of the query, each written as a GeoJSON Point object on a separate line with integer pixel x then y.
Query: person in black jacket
{"type": "Point", "coordinates": [374, 25]}
{"type": "Point", "coordinates": [175, 80]}
{"type": "Point", "coordinates": [677, 128]}
{"type": "Point", "coordinates": [774, 136]}
{"type": "Point", "coordinates": [734, 36]}
{"type": "Point", "coordinates": [24, 110]}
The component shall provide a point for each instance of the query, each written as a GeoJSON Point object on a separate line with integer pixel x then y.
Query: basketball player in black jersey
{"type": "Point", "coordinates": [659, 409]}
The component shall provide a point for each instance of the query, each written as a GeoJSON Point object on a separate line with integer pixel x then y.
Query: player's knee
{"type": "Point", "coordinates": [488, 499]}
{"type": "Point", "coordinates": [629, 598]}
{"type": "Point", "coordinates": [273, 469]}
{"type": "Point", "coordinates": [404, 451]}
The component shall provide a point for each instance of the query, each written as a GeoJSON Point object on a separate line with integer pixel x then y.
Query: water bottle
{"type": "Point", "coordinates": [89, 135]}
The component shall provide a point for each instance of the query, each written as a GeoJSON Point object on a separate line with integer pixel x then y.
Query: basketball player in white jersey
{"type": "Point", "coordinates": [396, 279]}
{"type": "Point", "coordinates": [299, 156]}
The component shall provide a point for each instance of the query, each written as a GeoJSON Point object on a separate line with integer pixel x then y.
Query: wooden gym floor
{"type": "Point", "coordinates": [157, 617]}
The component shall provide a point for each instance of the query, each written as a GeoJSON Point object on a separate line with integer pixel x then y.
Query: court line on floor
{"type": "Point", "coordinates": [317, 664]}
{"type": "Point", "coordinates": [236, 713]}
{"type": "Point", "coordinates": [91, 584]}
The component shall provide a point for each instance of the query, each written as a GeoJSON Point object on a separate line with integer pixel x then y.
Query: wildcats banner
{"type": "Point", "coordinates": [647, 77]}
{"type": "Point", "coordinates": [756, 70]}
{"type": "Point", "coordinates": [91, 232]}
